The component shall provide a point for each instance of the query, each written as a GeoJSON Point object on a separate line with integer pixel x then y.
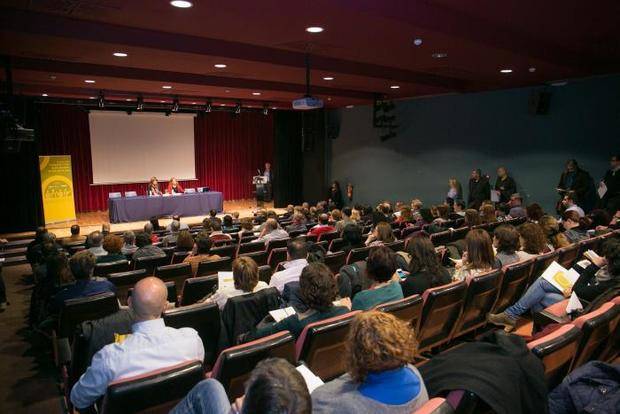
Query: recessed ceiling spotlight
{"type": "Point", "coordinates": [328, 78]}
{"type": "Point", "coordinates": [350, 106]}
{"type": "Point", "coordinates": [182, 4]}
{"type": "Point", "coordinates": [394, 87]}
{"type": "Point", "coordinates": [43, 94]}
{"type": "Point", "coordinates": [506, 70]}
{"type": "Point", "coordinates": [329, 98]}
{"type": "Point", "coordinates": [92, 97]}
{"type": "Point", "coordinates": [273, 107]}
{"type": "Point", "coordinates": [120, 54]}
{"type": "Point", "coordinates": [439, 55]}
{"type": "Point", "coordinates": [53, 77]}
{"type": "Point", "coordinates": [532, 69]}
{"type": "Point", "coordinates": [417, 41]}
{"type": "Point", "coordinates": [89, 81]}
{"type": "Point", "coordinates": [128, 99]}
{"type": "Point", "coordinates": [227, 91]}
{"type": "Point", "coordinates": [314, 29]}
{"type": "Point", "coordinates": [220, 65]}
{"type": "Point", "coordinates": [162, 101]}
{"type": "Point", "coordinates": [256, 93]}
{"type": "Point", "coordinates": [222, 104]}
{"type": "Point", "coordinates": [166, 87]}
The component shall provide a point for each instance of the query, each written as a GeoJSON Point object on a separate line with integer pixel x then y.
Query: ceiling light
{"type": "Point", "coordinates": [328, 78]}
{"type": "Point", "coordinates": [350, 106]}
{"type": "Point", "coordinates": [417, 41]}
{"type": "Point", "coordinates": [89, 81]}
{"type": "Point", "coordinates": [532, 69]}
{"type": "Point", "coordinates": [166, 87]}
{"type": "Point", "coordinates": [193, 103]}
{"type": "Point", "coordinates": [53, 77]}
{"type": "Point", "coordinates": [439, 55]}
{"type": "Point", "coordinates": [92, 97]}
{"type": "Point", "coordinates": [182, 4]}
{"type": "Point", "coordinates": [314, 29]}
{"type": "Point", "coordinates": [220, 65]}
{"type": "Point", "coordinates": [227, 91]}
{"type": "Point", "coordinates": [274, 108]}
{"type": "Point", "coordinates": [256, 93]}
{"type": "Point", "coordinates": [329, 99]}
{"type": "Point", "coordinates": [394, 87]}
{"type": "Point", "coordinates": [506, 70]}
{"type": "Point", "coordinates": [222, 104]}
{"type": "Point", "coordinates": [120, 54]}
{"type": "Point", "coordinates": [44, 94]}
{"type": "Point", "coordinates": [128, 99]}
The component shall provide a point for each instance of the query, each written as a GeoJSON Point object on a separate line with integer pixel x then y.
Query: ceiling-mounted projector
{"type": "Point", "coordinates": [306, 103]}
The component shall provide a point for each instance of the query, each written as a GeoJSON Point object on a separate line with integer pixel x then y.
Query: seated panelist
{"type": "Point", "coordinates": [174, 187]}
{"type": "Point", "coordinates": [153, 188]}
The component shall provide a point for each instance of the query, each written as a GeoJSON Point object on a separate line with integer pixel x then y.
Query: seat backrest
{"type": "Point", "coordinates": [321, 345]}
{"type": "Point", "coordinates": [277, 244]}
{"type": "Point", "coordinates": [156, 391]}
{"type": "Point", "coordinates": [130, 194]}
{"type": "Point", "coordinates": [277, 256]}
{"type": "Point", "coordinates": [234, 365]}
{"type": "Point", "coordinates": [441, 238]}
{"type": "Point", "coordinates": [541, 263]}
{"type": "Point", "coordinates": [597, 328]}
{"type": "Point", "coordinates": [557, 351]}
{"type": "Point", "coordinates": [435, 405]}
{"type": "Point", "coordinates": [125, 280]}
{"type": "Point", "coordinates": [408, 309]}
{"type": "Point", "coordinates": [254, 246]}
{"type": "Point", "coordinates": [328, 236]}
{"type": "Point", "coordinates": [481, 294]}
{"type": "Point", "coordinates": [355, 255]}
{"type": "Point", "coordinates": [259, 257]}
{"type": "Point", "coordinates": [196, 288]}
{"type": "Point", "coordinates": [150, 263]}
{"type": "Point", "coordinates": [514, 283]}
{"type": "Point", "coordinates": [211, 267]}
{"type": "Point", "coordinates": [335, 261]}
{"type": "Point", "coordinates": [407, 231]}
{"type": "Point", "coordinates": [177, 272]}
{"type": "Point", "coordinates": [171, 288]}
{"type": "Point", "coordinates": [592, 243]}
{"type": "Point", "coordinates": [178, 257]}
{"type": "Point", "coordinates": [442, 308]}
{"type": "Point", "coordinates": [104, 269]}
{"type": "Point", "coordinates": [569, 255]}
{"type": "Point", "coordinates": [396, 245]}
{"type": "Point", "coordinates": [78, 310]}
{"type": "Point", "coordinates": [336, 245]}
{"type": "Point", "coordinates": [225, 251]}
{"type": "Point", "coordinates": [205, 319]}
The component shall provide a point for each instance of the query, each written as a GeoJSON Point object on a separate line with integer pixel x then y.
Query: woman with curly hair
{"type": "Point", "coordinates": [551, 230]}
{"type": "Point", "coordinates": [185, 242]}
{"type": "Point", "coordinates": [380, 377]}
{"type": "Point", "coordinates": [317, 289]}
{"type": "Point", "coordinates": [532, 240]}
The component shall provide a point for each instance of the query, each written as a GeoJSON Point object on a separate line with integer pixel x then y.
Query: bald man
{"type": "Point", "coordinates": [323, 226]}
{"type": "Point", "coordinates": [150, 347]}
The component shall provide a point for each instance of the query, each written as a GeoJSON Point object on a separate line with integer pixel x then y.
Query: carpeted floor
{"type": "Point", "coordinates": [27, 374]}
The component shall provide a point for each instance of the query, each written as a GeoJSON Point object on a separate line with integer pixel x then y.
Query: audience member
{"type": "Point", "coordinates": [516, 206]}
{"type": "Point", "coordinates": [425, 269]}
{"type": "Point", "coordinates": [532, 241]}
{"type": "Point", "coordinates": [505, 185]}
{"type": "Point", "coordinates": [272, 231]}
{"type": "Point", "coordinates": [487, 214]}
{"type": "Point", "coordinates": [216, 231]}
{"type": "Point", "coordinates": [534, 212]}
{"type": "Point", "coordinates": [298, 223]}
{"type": "Point", "coordinates": [182, 226]}
{"type": "Point", "coordinates": [112, 244]}
{"type": "Point", "coordinates": [201, 252]}
{"type": "Point", "coordinates": [611, 199]}
{"type": "Point", "coordinates": [506, 242]}
{"type": "Point", "coordinates": [382, 214]}
{"type": "Point", "coordinates": [75, 238]}
{"type": "Point", "coordinates": [351, 238]}
{"type": "Point", "coordinates": [228, 226]}
{"type": "Point", "coordinates": [380, 377]}
{"type": "Point", "coordinates": [150, 347]}
{"type": "Point", "coordinates": [129, 243]}
{"type": "Point", "coordinates": [145, 247]}
{"type": "Point", "coordinates": [105, 229]}
{"type": "Point", "coordinates": [322, 227]}
{"type": "Point", "coordinates": [568, 203]}
{"type": "Point", "coordinates": [479, 190]}
{"type": "Point", "coordinates": [381, 234]}
{"type": "Point", "coordinates": [577, 183]}
{"type": "Point", "coordinates": [346, 219]}
{"type": "Point", "coordinates": [455, 191]}
{"type": "Point", "coordinates": [95, 241]}
{"type": "Point", "coordinates": [297, 259]}
{"type": "Point", "coordinates": [148, 229]}
{"type": "Point", "coordinates": [551, 230]}
{"type": "Point", "coordinates": [478, 257]}
{"type": "Point", "coordinates": [380, 269]}
{"type": "Point", "coordinates": [458, 209]}
{"type": "Point", "coordinates": [33, 250]}
{"type": "Point", "coordinates": [575, 226]}
{"type": "Point", "coordinates": [185, 242]}
{"type": "Point", "coordinates": [472, 218]}
{"type": "Point", "coordinates": [405, 217]}
{"type": "Point", "coordinates": [245, 276]}
{"type": "Point", "coordinates": [171, 238]}
{"type": "Point", "coordinates": [246, 227]}
{"type": "Point", "coordinates": [235, 217]}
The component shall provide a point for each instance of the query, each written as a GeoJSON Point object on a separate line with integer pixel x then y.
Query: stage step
{"type": "Point", "coordinates": [20, 251]}
{"type": "Point", "coordinates": [14, 261]}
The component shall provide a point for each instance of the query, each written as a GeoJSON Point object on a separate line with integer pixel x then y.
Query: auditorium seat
{"type": "Point", "coordinates": [296, 233]}
{"type": "Point", "coordinates": [223, 242]}
{"type": "Point", "coordinates": [442, 308]}
{"type": "Point", "coordinates": [150, 263]}
{"type": "Point", "coordinates": [154, 392]}
{"type": "Point", "coordinates": [247, 239]}
{"type": "Point", "coordinates": [196, 288]}
{"type": "Point", "coordinates": [255, 246]}
{"type": "Point", "coordinates": [176, 272]}
{"type": "Point", "coordinates": [336, 245]}
{"type": "Point", "coordinates": [435, 405]}
{"type": "Point", "coordinates": [592, 243]}
{"type": "Point", "coordinates": [328, 237]}
{"type": "Point", "coordinates": [125, 280]}
{"type": "Point", "coordinates": [225, 251]}
{"type": "Point", "coordinates": [514, 283]}
{"type": "Point", "coordinates": [397, 245]}
{"type": "Point", "coordinates": [277, 244]}
{"type": "Point", "coordinates": [264, 273]}
{"type": "Point", "coordinates": [205, 319]}
{"type": "Point", "coordinates": [259, 257]}
{"type": "Point", "coordinates": [335, 261]}
{"type": "Point", "coordinates": [408, 309]}
{"type": "Point", "coordinates": [277, 256]}
{"type": "Point", "coordinates": [481, 294]}
{"type": "Point", "coordinates": [541, 263]}
{"type": "Point", "coordinates": [171, 288]}
{"type": "Point", "coordinates": [211, 267]}
{"type": "Point", "coordinates": [569, 255]}
{"type": "Point", "coordinates": [104, 269]}
{"type": "Point", "coordinates": [178, 257]}
{"type": "Point", "coordinates": [557, 352]}
{"type": "Point", "coordinates": [74, 249]}
{"type": "Point", "coordinates": [234, 364]}
{"type": "Point", "coordinates": [460, 233]}
{"type": "Point", "coordinates": [408, 231]}
{"type": "Point", "coordinates": [597, 328]}
{"type": "Point", "coordinates": [355, 255]}
{"type": "Point", "coordinates": [169, 251]}
{"type": "Point", "coordinates": [321, 346]}
{"type": "Point", "coordinates": [312, 238]}
{"type": "Point", "coordinates": [441, 238]}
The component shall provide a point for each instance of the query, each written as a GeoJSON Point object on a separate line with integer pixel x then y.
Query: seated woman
{"type": "Point", "coordinates": [487, 214]}
{"type": "Point", "coordinates": [472, 218]}
{"type": "Point", "coordinates": [380, 377]}
{"type": "Point", "coordinates": [532, 241]}
{"type": "Point", "coordinates": [351, 237]}
{"type": "Point", "coordinates": [381, 234]}
{"type": "Point", "coordinates": [185, 242]}
{"type": "Point", "coordinates": [595, 280]}
{"type": "Point", "coordinates": [427, 221]}
{"type": "Point", "coordinates": [174, 187]}
{"type": "Point", "coordinates": [317, 290]}
{"type": "Point", "coordinates": [380, 269]}
{"type": "Point", "coordinates": [425, 270]}
{"type": "Point", "coordinates": [113, 245]}
{"type": "Point", "coordinates": [245, 276]}
{"type": "Point", "coordinates": [478, 257]}
{"type": "Point", "coordinates": [534, 212]}
{"type": "Point", "coordinates": [246, 228]}
{"type": "Point", "coordinates": [152, 189]}
{"type": "Point", "coordinates": [201, 251]}
{"type": "Point", "coordinates": [506, 243]}
{"type": "Point", "coordinates": [405, 217]}
{"type": "Point", "coordinates": [228, 225]}
{"type": "Point", "coordinates": [551, 230]}
{"type": "Point", "coordinates": [575, 227]}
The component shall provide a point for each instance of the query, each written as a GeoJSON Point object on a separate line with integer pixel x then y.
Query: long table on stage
{"type": "Point", "coordinates": [125, 209]}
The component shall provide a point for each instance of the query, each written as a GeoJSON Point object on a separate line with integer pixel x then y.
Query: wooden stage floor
{"type": "Point", "coordinates": [93, 220]}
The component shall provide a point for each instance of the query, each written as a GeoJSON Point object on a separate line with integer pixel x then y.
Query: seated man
{"type": "Point", "coordinates": [82, 266]}
{"type": "Point", "coordinates": [297, 259]}
{"type": "Point", "coordinates": [129, 243]}
{"type": "Point", "coordinates": [171, 238]}
{"type": "Point", "coordinates": [75, 237]}
{"type": "Point", "coordinates": [145, 247]}
{"type": "Point", "coordinates": [322, 227]}
{"type": "Point", "coordinates": [516, 206]}
{"type": "Point", "coordinates": [217, 234]}
{"type": "Point", "coordinates": [150, 347]}
{"type": "Point", "coordinates": [298, 224]}
{"type": "Point", "coordinates": [95, 242]}
{"type": "Point", "coordinates": [182, 226]}
{"type": "Point", "coordinates": [569, 205]}
{"type": "Point", "coordinates": [272, 231]}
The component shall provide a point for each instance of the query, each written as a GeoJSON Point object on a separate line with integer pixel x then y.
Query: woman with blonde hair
{"type": "Point", "coordinates": [382, 234]}
{"type": "Point", "coordinates": [153, 188]}
{"type": "Point", "coordinates": [455, 191]}
{"type": "Point", "coordinates": [551, 229]}
{"type": "Point", "coordinates": [174, 187]}
{"type": "Point", "coordinates": [380, 377]}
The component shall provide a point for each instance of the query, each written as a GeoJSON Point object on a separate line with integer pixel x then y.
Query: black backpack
{"type": "Point", "coordinates": [353, 279]}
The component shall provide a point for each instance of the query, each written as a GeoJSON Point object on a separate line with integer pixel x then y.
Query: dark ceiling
{"type": "Point", "coordinates": [367, 47]}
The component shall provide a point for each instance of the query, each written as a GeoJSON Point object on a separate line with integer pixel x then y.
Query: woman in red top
{"type": "Point", "coordinates": [174, 187]}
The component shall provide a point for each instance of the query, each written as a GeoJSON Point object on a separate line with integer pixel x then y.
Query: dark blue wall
{"type": "Point", "coordinates": [449, 135]}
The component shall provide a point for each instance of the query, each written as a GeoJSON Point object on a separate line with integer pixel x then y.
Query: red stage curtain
{"type": "Point", "coordinates": [229, 149]}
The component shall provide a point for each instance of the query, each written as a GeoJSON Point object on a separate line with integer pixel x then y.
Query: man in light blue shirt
{"type": "Point", "coordinates": [151, 346]}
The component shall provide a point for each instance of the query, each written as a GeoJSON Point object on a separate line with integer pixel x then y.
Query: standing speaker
{"type": "Point", "coordinates": [540, 102]}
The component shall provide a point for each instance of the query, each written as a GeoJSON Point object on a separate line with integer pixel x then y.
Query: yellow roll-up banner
{"type": "Point", "coordinates": [57, 188]}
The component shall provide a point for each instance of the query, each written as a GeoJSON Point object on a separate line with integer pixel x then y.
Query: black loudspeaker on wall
{"type": "Point", "coordinates": [539, 103]}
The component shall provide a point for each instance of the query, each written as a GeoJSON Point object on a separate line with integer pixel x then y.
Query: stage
{"type": "Point", "coordinates": [91, 221]}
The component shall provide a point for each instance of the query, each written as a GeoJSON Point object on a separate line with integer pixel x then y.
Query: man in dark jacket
{"type": "Point", "coordinates": [479, 189]}
{"type": "Point", "coordinates": [505, 185]}
{"type": "Point", "coordinates": [578, 183]}
{"type": "Point", "coordinates": [611, 198]}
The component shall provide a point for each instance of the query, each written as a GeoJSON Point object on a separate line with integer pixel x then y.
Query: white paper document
{"type": "Point", "coordinates": [495, 196]}
{"type": "Point", "coordinates": [559, 277]}
{"type": "Point", "coordinates": [312, 381]}
{"type": "Point", "coordinates": [225, 280]}
{"type": "Point", "coordinates": [279, 314]}
{"type": "Point", "coordinates": [602, 189]}
{"type": "Point", "coordinates": [573, 304]}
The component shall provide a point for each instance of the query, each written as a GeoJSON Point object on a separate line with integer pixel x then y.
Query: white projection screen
{"type": "Point", "coordinates": [133, 148]}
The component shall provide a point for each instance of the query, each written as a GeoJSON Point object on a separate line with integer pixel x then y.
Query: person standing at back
{"type": "Point", "coordinates": [611, 199]}
{"type": "Point", "coordinates": [479, 189]}
{"type": "Point", "coordinates": [505, 185]}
